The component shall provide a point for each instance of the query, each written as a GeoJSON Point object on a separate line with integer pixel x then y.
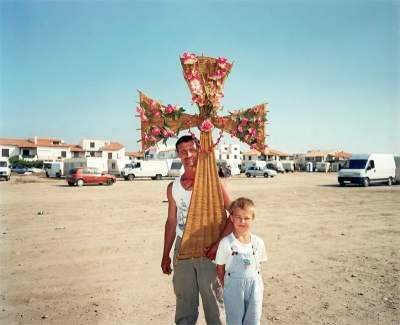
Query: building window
{"type": "Point", "coordinates": [5, 152]}
{"type": "Point", "coordinates": [113, 166]}
{"type": "Point", "coordinates": [25, 152]}
{"type": "Point", "coordinates": [76, 154]}
{"type": "Point", "coordinates": [91, 144]}
{"type": "Point", "coordinates": [92, 154]}
{"type": "Point", "coordinates": [235, 156]}
{"type": "Point", "coordinates": [249, 157]}
{"type": "Point", "coordinates": [110, 156]}
{"type": "Point", "coordinates": [227, 156]}
{"type": "Point", "coordinates": [64, 154]}
{"type": "Point", "coordinates": [235, 148]}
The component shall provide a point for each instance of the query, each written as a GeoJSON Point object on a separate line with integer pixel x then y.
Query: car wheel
{"type": "Point", "coordinates": [248, 175]}
{"type": "Point", "coordinates": [47, 174]}
{"type": "Point", "coordinates": [80, 182]}
{"type": "Point", "coordinates": [109, 181]}
{"type": "Point", "coordinates": [131, 177]}
{"type": "Point", "coordinates": [366, 182]}
{"type": "Point", "coordinates": [390, 181]}
{"type": "Point", "coordinates": [58, 175]}
{"type": "Point", "coordinates": [158, 177]}
{"type": "Point", "coordinates": [265, 174]}
{"type": "Point", "coordinates": [341, 183]}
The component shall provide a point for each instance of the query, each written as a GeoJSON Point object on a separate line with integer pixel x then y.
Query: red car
{"type": "Point", "coordinates": [86, 175]}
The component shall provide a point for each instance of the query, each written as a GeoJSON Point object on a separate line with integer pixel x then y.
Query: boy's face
{"type": "Point", "coordinates": [242, 220]}
{"type": "Point", "coordinates": [188, 152]}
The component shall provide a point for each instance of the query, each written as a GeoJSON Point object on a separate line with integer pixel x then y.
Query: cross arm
{"type": "Point", "coordinates": [247, 125]}
{"type": "Point", "coordinates": [159, 122]}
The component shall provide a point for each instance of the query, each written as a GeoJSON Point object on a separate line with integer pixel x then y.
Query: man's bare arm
{"type": "Point", "coordinates": [169, 232]}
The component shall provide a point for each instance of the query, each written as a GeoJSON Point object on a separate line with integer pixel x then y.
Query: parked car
{"type": "Point", "coordinates": [155, 169]}
{"type": "Point", "coordinates": [5, 170]}
{"type": "Point", "coordinates": [259, 171]}
{"type": "Point", "coordinates": [54, 169]}
{"type": "Point", "coordinates": [86, 175]}
{"type": "Point", "coordinates": [21, 170]}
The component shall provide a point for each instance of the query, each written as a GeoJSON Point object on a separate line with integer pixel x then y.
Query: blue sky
{"type": "Point", "coordinates": [329, 70]}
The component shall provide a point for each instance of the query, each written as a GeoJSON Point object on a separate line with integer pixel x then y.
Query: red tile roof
{"type": "Point", "coordinates": [75, 148]}
{"type": "Point", "coordinates": [134, 154]}
{"type": "Point", "coordinates": [18, 143]}
{"type": "Point", "coordinates": [112, 146]}
{"type": "Point", "coordinates": [267, 152]}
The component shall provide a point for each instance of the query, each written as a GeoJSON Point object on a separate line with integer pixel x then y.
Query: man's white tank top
{"type": "Point", "coordinates": [182, 200]}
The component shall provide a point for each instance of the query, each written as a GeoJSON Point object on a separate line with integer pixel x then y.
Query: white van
{"type": "Point", "coordinates": [54, 169]}
{"type": "Point", "coordinates": [156, 169]}
{"type": "Point", "coordinates": [176, 169]}
{"type": "Point", "coordinates": [5, 170]}
{"type": "Point", "coordinates": [368, 168]}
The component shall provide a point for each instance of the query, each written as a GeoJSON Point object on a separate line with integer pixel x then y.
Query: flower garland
{"type": "Point", "coordinates": [154, 110]}
{"type": "Point", "coordinates": [249, 126]}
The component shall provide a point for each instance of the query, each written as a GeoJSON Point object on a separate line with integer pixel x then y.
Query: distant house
{"type": "Point", "coordinates": [161, 152]}
{"type": "Point", "coordinates": [133, 156]}
{"type": "Point", "coordinates": [267, 155]}
{"type": "Point", "coordinates": [104, 154]}
{"type": "Point", "coordinates": [35, 149]}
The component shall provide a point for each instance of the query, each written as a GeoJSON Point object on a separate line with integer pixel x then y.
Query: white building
{"type": "Point", "coordinates": [229, 153]}
{"type": "Point", "coordinates": [161, 151]}
{"type": "Point", "coordinates": [35, 149]}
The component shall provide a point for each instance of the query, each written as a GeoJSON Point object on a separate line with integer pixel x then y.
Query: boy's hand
{"type": "Point", "coordinates": [166, 265]}
{"type": "Point", "coordinates": [211, 252]}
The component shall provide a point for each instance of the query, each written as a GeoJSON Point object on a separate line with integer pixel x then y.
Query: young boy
{"type": "Point", "coordinates": [238, 260]}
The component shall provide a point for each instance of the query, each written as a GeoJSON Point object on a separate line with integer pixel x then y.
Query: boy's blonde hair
{"type": "Point", "coordinates": [242, 203]}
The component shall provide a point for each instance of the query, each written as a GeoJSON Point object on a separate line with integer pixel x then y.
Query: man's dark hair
{"type": "Point", "coordinates": [186, 138]}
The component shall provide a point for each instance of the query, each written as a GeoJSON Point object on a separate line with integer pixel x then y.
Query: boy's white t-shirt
{"type": "Point", "coordinates": [224, 253]}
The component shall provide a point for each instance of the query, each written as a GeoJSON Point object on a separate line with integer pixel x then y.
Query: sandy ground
{"type": "Point", "coordinates": [91, 255]}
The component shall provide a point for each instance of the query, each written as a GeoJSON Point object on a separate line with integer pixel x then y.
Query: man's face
{"type": "Point", "coordinates": [188, 153]}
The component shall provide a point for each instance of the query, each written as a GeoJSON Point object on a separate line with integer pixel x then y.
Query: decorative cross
{"type": "Point", "coordinates": [205, 77]}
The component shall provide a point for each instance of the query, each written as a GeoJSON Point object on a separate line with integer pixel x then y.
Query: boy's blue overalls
{"type": "Point", "coordinates": [243, 288]}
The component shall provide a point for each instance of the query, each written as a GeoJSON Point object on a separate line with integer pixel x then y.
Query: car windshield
{"type": "Point", "coordinates": [3, 164]}
{"type": "Point", "coordinates": [355, 164]}
{"type": "Point", "coordinates": [128, 166]}
{"type": "Point", "coordinates": [47, 166]}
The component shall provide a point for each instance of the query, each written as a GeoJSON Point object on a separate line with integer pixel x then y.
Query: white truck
{"type": "Point", "coordinates": [155, 169]}
{"type": "Point", "coordinates": [54, 168]}
{"type": "Point", "coordinates": [5, 171]}
{"type": "Point", "coordinates": [368, 168]}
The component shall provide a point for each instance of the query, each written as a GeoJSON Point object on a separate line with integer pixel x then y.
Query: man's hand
{"type": "Point", "coordinates": [211, 252]}
{"type": "Point", "coordinates": [166, 265]}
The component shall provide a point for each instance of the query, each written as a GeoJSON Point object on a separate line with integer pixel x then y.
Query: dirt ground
{"type": "Point", "coordinates": [92, 255]}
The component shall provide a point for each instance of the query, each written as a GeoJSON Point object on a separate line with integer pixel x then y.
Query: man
{"type": "Point", "coordinates": [197, 275]}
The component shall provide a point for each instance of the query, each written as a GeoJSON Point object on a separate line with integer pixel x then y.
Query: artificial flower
{"type": "Point", "coordinates": [206, 126]}
{"type": "Point", "coordinates": [189, 58]}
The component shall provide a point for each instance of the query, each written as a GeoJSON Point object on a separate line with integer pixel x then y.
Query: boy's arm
{"type": "Point", "coordinates": [221, 273]}
{"type": "Point", "coordinates": [169, 233]}
{"type": "Point", "coordinates": [212, 251]}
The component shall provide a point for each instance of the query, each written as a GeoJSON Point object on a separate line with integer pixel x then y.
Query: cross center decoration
{"type": "Point", "coordinates": [205, 77]}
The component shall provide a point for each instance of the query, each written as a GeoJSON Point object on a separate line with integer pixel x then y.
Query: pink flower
{"type": "Point", "coordinates": [246, 137]}
{"type": "Point", "coordinates": [156, 131]}
{"type": "Point", "coordinates": [189, 58]}
{"type": "Point", "coordinates": [259, 120]}
{"type": "Point", "coordinates": [222, 62]}
{"type": "Point", "coordinates": [168, 133]}
{"type": "Point", "coordinates": [206, 126]}
{"type": "Point", "coordinates": [152, 139]}
{"type": "Point", "coordinates": [143, 117]}
{"type": "Point", "coordinates": [253, 146]}
{"type": "Point", "coordinates": [170, 108]}
{"type": "Point", "coordinates": [240, 128]}
{"type": "Point", "coordinates": [191, 74]}
{"type": "Point", "coordinates": [252, 132]}
{"type": "Point", "coordinates": [145, 137]}
{"type": "Point", "coordinates": [157, 114]}
{"type": "Point", "coordinates": [195, 86]}
{"type": "Point", "coordinates": [244, 121]}
{"type": "Point", "coordinates": [139, 109]}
